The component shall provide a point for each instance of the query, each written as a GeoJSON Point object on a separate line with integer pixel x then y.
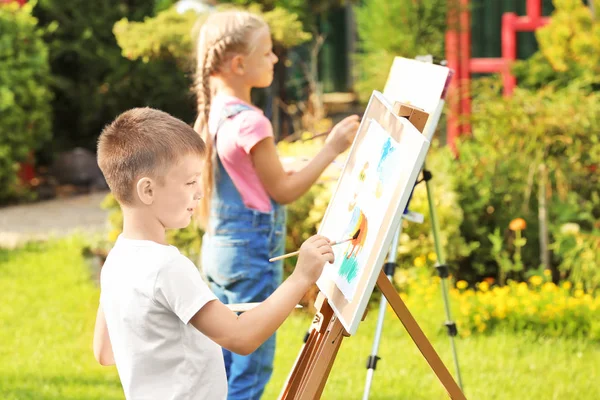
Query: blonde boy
{"type": "Point", "coordinates": [157, 319]}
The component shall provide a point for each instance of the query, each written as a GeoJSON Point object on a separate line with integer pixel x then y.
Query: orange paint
{"type": "Point", "coordinates": [358, 243]}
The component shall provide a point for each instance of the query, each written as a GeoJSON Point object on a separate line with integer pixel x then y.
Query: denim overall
{"type": "Point", "coordinates": [235, 259]}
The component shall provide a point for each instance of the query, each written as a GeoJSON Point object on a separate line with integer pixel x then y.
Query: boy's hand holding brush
{"type": "Point", "coordinates": [295, 253]}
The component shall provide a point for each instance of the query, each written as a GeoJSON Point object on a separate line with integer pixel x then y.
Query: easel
{"type": "Point", "coordinates": [428, 129]}
{"type": "Point", "coordinates": [313, 365]}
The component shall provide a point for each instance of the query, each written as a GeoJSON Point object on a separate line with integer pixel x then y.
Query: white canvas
{"type": "Point", "coordinates": [416, 83]}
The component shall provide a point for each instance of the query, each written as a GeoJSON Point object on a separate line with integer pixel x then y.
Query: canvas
{"type": "Point", "coordinates": [372, 191]}
{"type": "Point", "coordinates": [416, 83]}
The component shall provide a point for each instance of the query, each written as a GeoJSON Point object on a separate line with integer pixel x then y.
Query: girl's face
{"type": "Point", "coordinates": [258, 65]}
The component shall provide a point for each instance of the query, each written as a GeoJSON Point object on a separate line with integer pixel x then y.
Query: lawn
{"type": "Point", "coordinates": [47, 318]}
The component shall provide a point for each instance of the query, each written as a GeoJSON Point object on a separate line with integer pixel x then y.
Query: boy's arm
{"type": "Point", "coordinates": [102, 347]}
{"type": "Point", "coordinates": [245, 333]}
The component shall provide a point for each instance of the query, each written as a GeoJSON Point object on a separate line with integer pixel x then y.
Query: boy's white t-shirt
{"type": "Point", "coordinates": [149, 293]}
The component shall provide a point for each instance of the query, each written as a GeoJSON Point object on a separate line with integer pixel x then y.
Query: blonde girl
{"type": "Point", "coordinates": [242, 210]}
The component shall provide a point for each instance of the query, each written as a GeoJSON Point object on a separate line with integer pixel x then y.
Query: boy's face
{"type": "Point", "coordinates": [176, 197]}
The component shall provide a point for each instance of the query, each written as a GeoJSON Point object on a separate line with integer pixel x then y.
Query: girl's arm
{"type": "Point", "coordinates": [285, 188]}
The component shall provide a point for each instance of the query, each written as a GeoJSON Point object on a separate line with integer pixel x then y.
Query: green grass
{"type": "Point", "coordinates": [47, 318]}
{"type": "Point", "coordinates": [47, 321]}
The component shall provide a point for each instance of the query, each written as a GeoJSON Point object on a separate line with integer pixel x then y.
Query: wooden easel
{"type": "Point", "coordinates": [313, 365]}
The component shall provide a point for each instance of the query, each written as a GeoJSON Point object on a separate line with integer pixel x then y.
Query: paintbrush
{"type": "Point", "coordinates": [295, 253]}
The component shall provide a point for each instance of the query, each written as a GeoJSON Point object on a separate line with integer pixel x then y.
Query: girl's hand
{"type": "Point", "coordinates": [343, 133]}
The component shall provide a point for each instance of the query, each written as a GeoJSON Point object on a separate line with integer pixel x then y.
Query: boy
{"type": "Point", "coordinates": [157, 319]}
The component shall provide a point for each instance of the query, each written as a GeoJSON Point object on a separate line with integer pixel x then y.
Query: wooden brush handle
{"type": "Point", "coordinates": [295, 253]}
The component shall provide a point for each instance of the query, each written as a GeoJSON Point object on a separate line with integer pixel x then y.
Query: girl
{"type": "Point", "coordinates": [242, 209]}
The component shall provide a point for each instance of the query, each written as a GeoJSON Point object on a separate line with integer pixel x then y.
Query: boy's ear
{"type": "Point", "coordinates": [237, 64]}
{"type": "Point", "coordinates": [145, 190]}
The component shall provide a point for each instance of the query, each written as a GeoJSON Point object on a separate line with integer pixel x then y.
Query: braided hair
{"type": "Point", "coordinates": [222, 35]}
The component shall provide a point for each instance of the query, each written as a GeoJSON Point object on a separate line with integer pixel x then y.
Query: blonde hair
{"type": "Point", "coordinates": [143, 141]}
{"type": "Point", "coordinates": [223, 35]}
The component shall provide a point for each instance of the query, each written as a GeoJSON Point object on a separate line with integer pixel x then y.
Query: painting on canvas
{"type": "Point", "coordinates": [372, 191]}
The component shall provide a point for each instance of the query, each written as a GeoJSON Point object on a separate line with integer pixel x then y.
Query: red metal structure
{"type": "Point", "coordinates": [458, 54]}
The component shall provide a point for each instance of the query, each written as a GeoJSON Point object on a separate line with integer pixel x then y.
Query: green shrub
{"type": "Point", "coordinates": [569, 49]}
{"type": "Point", "coordinates": [169, 35]}
{"type": "Point", "coordinates": [24, 95]}
{"type": "Point", "coordinates": [580, 254]}
{"type": "Point", "coordinates": [93, 82]}
{"type": "Point", "coordinates": [531, 146]}
{"type": "Point", "coordinates": [387, 29]}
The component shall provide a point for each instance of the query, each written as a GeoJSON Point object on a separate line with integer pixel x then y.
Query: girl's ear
{"type": "Point", "coordinates": [145, 190]}
{"type": "Point", "coordinates": [237, 64]}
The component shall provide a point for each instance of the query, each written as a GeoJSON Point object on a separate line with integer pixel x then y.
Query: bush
{"type": "Point", "coordinates": [92, 82]}
{"type": "Point", "coordinates": [24, 94]}
{"type": "Point", "coordinates": [169, 34]}
{"type": "Point", "coordinates": [569, 49]}
{"type": "Point", "coordinates": [387, 29]}
{"type": "Point", "coordinates": [535, 153]}
{"type": "Point", "coordinates": [580, 254]}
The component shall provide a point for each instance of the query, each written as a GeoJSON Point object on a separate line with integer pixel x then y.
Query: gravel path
{"type": "Point", "coordinates": [53, 218]}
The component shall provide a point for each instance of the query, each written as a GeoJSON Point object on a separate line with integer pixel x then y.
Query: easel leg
{"type": "Point", "coordinates": [312, 368]}
{"type": "Point", "coordinates": [388, 268]}
{"type": "Point", "coordinates": [419, 338]}
{"type": "Point", "coordinates": [442, 270]}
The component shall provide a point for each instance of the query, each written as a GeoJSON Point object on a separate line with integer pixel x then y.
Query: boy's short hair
{"type": "Point", "coordinates": [143, 141]}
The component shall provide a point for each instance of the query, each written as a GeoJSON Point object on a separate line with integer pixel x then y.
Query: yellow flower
{"type": "Point", "coordinates": [522, 288]}
{"type": "Point", "coordinates": [578, 293]}
{"type": "Point", "coordinates": [432, 256]}
{"type": "Point", "coordinates": [567, 285]}
{"type": "Point", "coordinates": [484, 286]}
{"type": "Point", "coordinates": [547, 272]}
{"type": "Point", "coordinates": [462, 284]}
{"type": "Point", "coordinates": [536, 280]}
{"type": "Point", "coordinates": [419, 261]}
{"type": "Point", "coordinates": [549, 287]}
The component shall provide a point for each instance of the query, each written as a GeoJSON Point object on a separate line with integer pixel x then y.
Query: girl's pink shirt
{"type": "Point", "coordinates": [237, 136]}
